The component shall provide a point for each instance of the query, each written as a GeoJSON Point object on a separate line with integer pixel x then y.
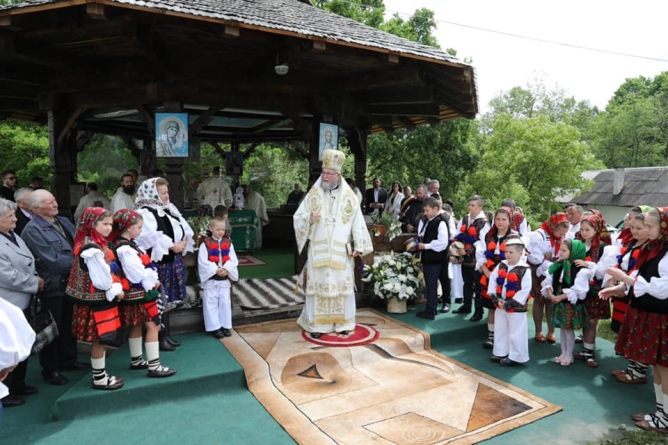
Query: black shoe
{"type": "Point", "coordinates": [161, 372]}
{"type": "Point", "coordinates": [56, 379]}
{"type": "Point", "coordinates": [343, 333]}
{"type": "Point", "coordinates": [316, 335]}
{"type": "Point", "coordinates": [226, 332]}
{"type": "Point", "coordinates": [142, 365]}
{"type": "Point", "coordinates": [76, 366]}
{"type": "Point", "coordinates": [462, 310]}
{"type": "Point", "coordinates": [426, 315]}
{"type": "Point", "coordinates": [112, 383]}
{"type": "Point", "coordinates": [12, 400]}
{"type": "Point", "coordinates": [25, 390]}
{"type": "Point", "coordinates": [476, 317]}
{"type": "Point", "coordinates": [165, 346]}
{"type": "Point", "coordinates": [218, 333]}
{"type": "Point", "coordinates": [508, 363]}
{"type": "Point", "coordinates": [496, 358]}
{"type": "Point", "coordinates": [489, 344]}
{"type": "Point", "coordinates": [173, 342]}
{"type": "Point", "coordinates": [445, 309]}
{"type": "Point", "coordinates": [578, 339]}
{"type": "Point", "coordinates": [459, 300]}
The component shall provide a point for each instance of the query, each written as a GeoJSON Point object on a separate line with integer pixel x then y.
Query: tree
{"type": "Point", "coordinates": [24, 148]}
{"type": "Point", "coordinates": [532, 160]}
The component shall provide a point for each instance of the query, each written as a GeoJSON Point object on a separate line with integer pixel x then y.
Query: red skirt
{"type": "Point", "coordinates": [643, 337]}
{"type": "Point", "coordinates": [133, 314]}
{"type": "Point", "coordinates": [84, 327]}
{"type": "Point", "coordinates": [536, 283]}
{"type": "Point", "coordinates": [597, 308]}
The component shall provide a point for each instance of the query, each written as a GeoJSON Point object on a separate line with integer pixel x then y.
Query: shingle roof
{"type": "Point", "coordinates": [642, 186]}
{"type": "Point", "coordinates": [292, 16]}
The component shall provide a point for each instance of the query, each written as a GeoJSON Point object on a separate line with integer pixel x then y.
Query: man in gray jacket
{"type": "Point", "coordinates": [50, 238]}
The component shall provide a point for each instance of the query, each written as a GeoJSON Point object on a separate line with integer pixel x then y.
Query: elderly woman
{"type": "Point", "coordinates": [166, 236]}
{"type": "Point", "coordinates": [18, 283]}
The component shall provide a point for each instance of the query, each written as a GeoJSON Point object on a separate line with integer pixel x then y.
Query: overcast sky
{"type": "Point", "coordinates": [502, 62]}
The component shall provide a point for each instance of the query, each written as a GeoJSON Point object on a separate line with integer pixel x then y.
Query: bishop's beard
{"type": "Point", "coordinates": [330, 185]}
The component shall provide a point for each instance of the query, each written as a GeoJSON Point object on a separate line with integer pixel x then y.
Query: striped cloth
{"type": "Point", "coordinates": [267, 293]}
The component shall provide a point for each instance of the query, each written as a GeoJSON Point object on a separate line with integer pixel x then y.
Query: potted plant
{"type": "Point", "coordinates": [385, 225]}
{"type": "Point", "coordinates": [396, 277]}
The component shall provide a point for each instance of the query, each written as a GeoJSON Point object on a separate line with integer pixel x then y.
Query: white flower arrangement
{"type": "Point", "coordinates": [392, 225]}
{"type": "Point", "coordinates": [200, 225]}
{"type": "Point", "coordinates": [396, 275]}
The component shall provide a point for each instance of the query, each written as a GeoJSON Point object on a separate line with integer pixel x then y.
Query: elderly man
{"type": "Point", "coordinates": [123, 198]}
{"type": "Point", "coordinates": [574, 213]}
{"type": "Point", "coordinates": [23, 214]}
{"type": "Point", "coordinates": [92, 198]}
{"type": "Point", "coordinates": [331, 220]}
{"type": "Point", "coordinates": [50, 239]}
{"type": "Point", "coordinates": [215, 191]}
{"type": "Point", "coordinates": [434, 187]}
{"type": "Point", "coordinates": [255, 201]}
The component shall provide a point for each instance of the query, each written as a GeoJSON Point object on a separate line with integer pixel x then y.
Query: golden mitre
{"type": "Point", "coordinates": [333, 159]}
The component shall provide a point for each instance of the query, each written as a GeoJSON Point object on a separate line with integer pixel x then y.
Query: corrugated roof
{"type": "Point", "coordinates": [291, 16]}
{"type": "Point", "coordinates": [642, 186]}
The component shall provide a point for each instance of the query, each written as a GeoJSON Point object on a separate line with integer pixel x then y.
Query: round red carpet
{"type": "Point", "coordinates": [363, 335]}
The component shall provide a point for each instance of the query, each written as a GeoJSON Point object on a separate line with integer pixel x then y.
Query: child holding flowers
{"type": "Point", "coordinates": [509, 288]}
{"type": "Point", "coordinates": [217, 265]}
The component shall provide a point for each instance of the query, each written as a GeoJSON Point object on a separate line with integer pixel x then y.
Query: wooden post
{"type": "Point", "coordinates": [63, 156]}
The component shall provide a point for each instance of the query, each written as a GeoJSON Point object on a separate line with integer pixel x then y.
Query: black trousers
{"type": "Point", "coordinates": [444, 279]}
{"type": "Point", "coordinates": [63, 351]}
{"type": "Point", "coordinates": [15, 380]}
{"type": "Point", "coordinates": [472, 287]}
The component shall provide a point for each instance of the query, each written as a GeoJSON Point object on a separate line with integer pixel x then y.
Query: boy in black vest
{"type": "Point", "coordinates": [435, 237]}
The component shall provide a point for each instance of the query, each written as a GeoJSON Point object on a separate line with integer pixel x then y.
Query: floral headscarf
{"type": "Point", "coordinates": [147, 196]}
{"type": "Point", "coordinates": [651, 249]}
{"type": "Point", "coordinates": [123, 220]}
{"type": "Point", "coordinates": [551, 224]}
{"type": "Point", "coordinates": [578, 252]}
{"type": "Point", "coordinates": [86, 226]}
{"type": "Point", "coordinates": [601, 229]}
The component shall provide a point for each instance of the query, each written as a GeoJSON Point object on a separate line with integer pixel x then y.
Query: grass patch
{"type": "Point", "coordinates": [637, 438]}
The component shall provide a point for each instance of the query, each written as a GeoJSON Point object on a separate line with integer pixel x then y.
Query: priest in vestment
{"type": "Point", "coordinates": [254, 201]}
{"type": "Point", "coordinates": [215, 191]}
{"type": "Point", "coordinates": [330, 217]}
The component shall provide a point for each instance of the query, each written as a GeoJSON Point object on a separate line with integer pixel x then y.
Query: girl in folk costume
{"type": "Point", "coordinates": [96, 291]}
{"type": "Point", "coordinates": [217, 265]}
{"type": "Point", "coordinates": [490, 252]}
{"type": "Point", "coordinates": [543, 247]}
{"type": "Point", "coordinates": [510, 286]}
{"type": "Point", "coordinates": [566, 286]}
{"type": "Point", "coordinates": [175, 239]}
{"type": "Point", "coordinates": [394, 200]}
{"type": "Point", "coordinates": [593, 232]}
{"type": "Point", "coordinates": [140, 281]}
{"type": "Point", "coordinates": [644, 333]}
{"type": "Point", "coordinates": [636, 372]}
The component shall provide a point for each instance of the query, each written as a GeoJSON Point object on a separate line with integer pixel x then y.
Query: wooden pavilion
{"type": "Point", "coordinates": [107, 66]}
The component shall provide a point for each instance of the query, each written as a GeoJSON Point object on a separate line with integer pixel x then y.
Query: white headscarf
{"type": "Point", "coordinates": [147, 196]}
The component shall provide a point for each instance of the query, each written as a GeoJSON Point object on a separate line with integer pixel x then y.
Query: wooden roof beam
{"type": "Point", "coordinates": [412, 95]}
{"type": "Point", "coordinates": [404, 110]}
{"type": "Point", "coordinates": [95, 11]}
{"type": "Point", "coordinates": [408, 124]}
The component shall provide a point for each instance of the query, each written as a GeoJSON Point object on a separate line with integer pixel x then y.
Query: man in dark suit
{"type": "Point", "coordinates": [9, 183]}
{"type": "Point", "coordinates": [375, 197]}
{"type": "Point", "coordinates": [50, 238]}
{"type": "Point", "coordinates": [23, 215]}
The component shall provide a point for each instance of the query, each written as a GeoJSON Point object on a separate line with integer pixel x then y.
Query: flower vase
{"type": "Point", "coordinates": [396, 305]}
{"type": "Point", "coordinates": [380, 230]}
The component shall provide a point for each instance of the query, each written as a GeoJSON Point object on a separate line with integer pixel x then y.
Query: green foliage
{"type": "Point", "coordinates": [532, 160]}
{"type": "Point", "coordinates": [369, 12]}
{"type": "Point", "coordinates": [24, 148]}
{"type": "Point", "coordinates": [116, 157]}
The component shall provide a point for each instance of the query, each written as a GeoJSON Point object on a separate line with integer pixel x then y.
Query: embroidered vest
{"type": "Point", "coordinates": [492, 242]}
{"type": "Point", "coordinates": [79, 286]}
{"type": "Point", "coordinates": [469, 235]}
{"type": "Point", "coordinates": [165, 226]}
{"type": "Point", "coordinates": [648, 303]}
{"type": "Point", "coordinates": [512, 280]}
{"type": "Point", "coordinates": [134, 292]}
{"type": "Point", "coordinates": [430, 234]}
{"type": "Point", "coordinates": [559, 283]}
{"type": "Point", "coordinates": [219, 253]}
